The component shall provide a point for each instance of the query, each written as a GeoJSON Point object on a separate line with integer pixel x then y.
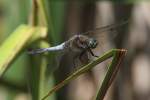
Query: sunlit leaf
{"type": "Point", "coordinates": [14, 44]}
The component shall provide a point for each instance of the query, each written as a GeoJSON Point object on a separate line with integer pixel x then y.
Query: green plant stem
{"type": "Point", "coordinates": [42, 6]}
{"type": "Point", "coordinates": [39, 63]}
{"type": "Point", "coordinates": [111, 73]}
{"type": "Point", "coordinates": [35, 13]}
{"type": "Point", "coordinates": [83, 70]}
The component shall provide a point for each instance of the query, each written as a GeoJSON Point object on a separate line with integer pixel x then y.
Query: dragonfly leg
{"type": "Point", "coordinates": [74, 61]}
{"type": "Point", "coordinates": [81, 54]}
{"type": "Point", "coordinates": [83, 57]}
{"type": "Point", "coordinates": [91, 52]}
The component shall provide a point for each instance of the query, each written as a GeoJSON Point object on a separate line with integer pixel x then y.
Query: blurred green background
{"type": "Point", "coordinates": [63, 19]}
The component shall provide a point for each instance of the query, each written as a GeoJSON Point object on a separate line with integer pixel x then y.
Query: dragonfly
{"type": "Point", "coordinates": [80, 44]}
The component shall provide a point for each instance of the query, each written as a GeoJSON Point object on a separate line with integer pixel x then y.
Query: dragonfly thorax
{"type": "Point", "coordinates": [82, 42]}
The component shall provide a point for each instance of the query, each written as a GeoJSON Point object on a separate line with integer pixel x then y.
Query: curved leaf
{"type": "Point", "coordinates": [20, 38]}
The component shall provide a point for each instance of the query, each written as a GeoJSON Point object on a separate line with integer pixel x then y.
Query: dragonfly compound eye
{"type": "Point", "coordinates": [93, 43]}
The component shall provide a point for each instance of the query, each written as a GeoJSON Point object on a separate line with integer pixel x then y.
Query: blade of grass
{"type": "Point", "coordinates": [111, 73]}
{"type": "Point", "coordinates": [83, 70]}
{"type": "Point", "coordinates": [12, 46]}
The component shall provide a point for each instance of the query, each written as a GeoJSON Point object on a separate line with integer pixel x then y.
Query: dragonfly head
{"type": "Point", "coordinates": [92, 43]}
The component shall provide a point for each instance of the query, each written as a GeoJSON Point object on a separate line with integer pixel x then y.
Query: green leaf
{"type": "Point", "coordinates": [14, 44]}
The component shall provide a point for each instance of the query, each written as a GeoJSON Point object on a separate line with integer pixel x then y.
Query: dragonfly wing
{"type": "Point", "coordinates": [105, 35]}
{"type": "Point", "coordinates": [111, 27]}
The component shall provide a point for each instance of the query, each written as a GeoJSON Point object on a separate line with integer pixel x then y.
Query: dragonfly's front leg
{"type": "Point", "coordinates": [83, 57]}
{"type": "Point", "coordinates": [91, 52]}
{"type": "Point", "coordinates": [75, 61]}
{"type": "Point", "coordinates": [79, 59]}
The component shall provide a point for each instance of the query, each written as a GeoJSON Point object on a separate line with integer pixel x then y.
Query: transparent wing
{"type": "Point", "coordinates": [108, 28]}
{"type": "Point", "coordinates": [105, 36]}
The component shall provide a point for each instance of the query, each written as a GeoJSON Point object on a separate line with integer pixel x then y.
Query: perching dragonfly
{"type": "Point", "coordinates": [81, 43]}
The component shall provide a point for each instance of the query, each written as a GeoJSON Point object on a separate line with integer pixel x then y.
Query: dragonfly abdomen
{"type": "Point", "coordinates": [50, 49]}
{"type": "Point", "coordinates": [57, 48]}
